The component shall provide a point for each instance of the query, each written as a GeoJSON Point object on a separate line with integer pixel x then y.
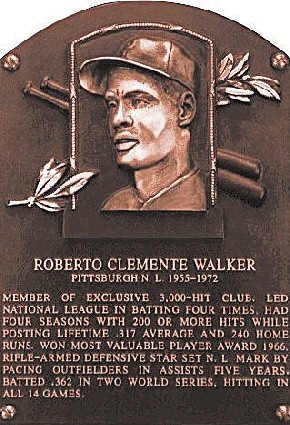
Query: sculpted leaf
{"type": "Point", "coordinates": [240, 65]}
{"type": "Point", "coordinates": [225, 67]}
{"type": "Point", "coordinates": [263, 78]}
{"type": "Point", "coordinates": [49, 206]}
{"type": "Point", "coordinates": [265, 90]}
{"type": "Point", "coordinates": [275, 84]}
{"type": "Point", "coordinates": [239, 92]}
{"type": "Point", "coordinates": [238, 84]}
{"type": "Point", "coordinates": [50, 177]}
{"type": "Point", "coordinates": [44, 172]}
{"type": "Point", "coordinates": [243, 70]}
{"type": "Point", "coordinates": [240, 98]}
{"type": "Point", "coordinates": [73, 185]}
{"type": "Point", "coordinates": [47, 167]}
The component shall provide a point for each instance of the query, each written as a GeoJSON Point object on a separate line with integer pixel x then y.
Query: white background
{"type": "Point", "coordinates": [20, 19]}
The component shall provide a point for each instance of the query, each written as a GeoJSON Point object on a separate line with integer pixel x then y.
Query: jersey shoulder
{"type": "Point", "coordinates": [123, 199]}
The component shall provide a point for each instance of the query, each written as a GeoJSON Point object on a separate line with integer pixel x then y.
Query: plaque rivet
{"type": "Point", "coordinates": [11, 62]}
{"type": "Point", "coordinates": [279, 60]}
{"type": "Point", "coordinates": [283, 412]}
{"type": "Point", "coordinates": [8, 412]}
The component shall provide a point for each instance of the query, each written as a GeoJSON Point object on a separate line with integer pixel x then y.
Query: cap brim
{"type": "Point", "coordinates": [93, 71]}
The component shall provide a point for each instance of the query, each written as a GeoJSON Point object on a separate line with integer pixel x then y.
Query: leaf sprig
{"type": "Point", "coordinates": [49, 197]}
{"type": "Point", "coordinates": [233, 82]}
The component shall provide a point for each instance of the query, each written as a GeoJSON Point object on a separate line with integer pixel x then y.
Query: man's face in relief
{"type": "Point", "coordinates": [143, 119]}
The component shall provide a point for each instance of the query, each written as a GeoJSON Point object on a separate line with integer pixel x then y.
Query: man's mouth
{"type": "Point", "coordinates": [125, 145]}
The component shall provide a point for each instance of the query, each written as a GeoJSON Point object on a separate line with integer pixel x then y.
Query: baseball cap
{"type": "Point", "coordinates": [163, 57]}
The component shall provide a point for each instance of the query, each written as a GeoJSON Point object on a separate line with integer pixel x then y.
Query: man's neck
{"type": "Point", "coordinates": [150, 181]}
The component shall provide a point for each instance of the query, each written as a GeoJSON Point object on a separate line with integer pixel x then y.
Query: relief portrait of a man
{"type": "Point", "coordinates": [150, 96]}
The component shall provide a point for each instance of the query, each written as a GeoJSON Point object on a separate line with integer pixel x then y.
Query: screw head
{"type": "Point", "coordinates": [8, 412]}
{"type": "Point", "coordinates": [279, 61]}
{"type": "Point", "coordinates": [283, 412]}
{"type": "Point", "coordinates": [11, 62]}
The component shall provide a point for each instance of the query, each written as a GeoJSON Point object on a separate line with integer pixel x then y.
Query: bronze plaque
{"type": "Point", "coordinates": [144, 221]}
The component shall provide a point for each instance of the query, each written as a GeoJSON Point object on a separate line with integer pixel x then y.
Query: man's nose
{"type": "Point", "coordinates": [122, 117]}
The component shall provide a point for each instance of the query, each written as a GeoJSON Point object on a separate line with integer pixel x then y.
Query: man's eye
{"type": "Point", "coordinates": [111, 104]}
{"type": "Point", "coordinates": [139, 102]}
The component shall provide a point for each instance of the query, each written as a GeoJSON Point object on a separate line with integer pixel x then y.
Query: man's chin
{"type": "Point", "coordinates": [132, 162]}
{"type": "Point", "coordinates": [125, 158]}
{"type": "Point", "coordinates": [125, 162]}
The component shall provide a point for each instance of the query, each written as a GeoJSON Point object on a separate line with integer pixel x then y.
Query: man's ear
{"type": "Point", "coordinates": [187, 108]}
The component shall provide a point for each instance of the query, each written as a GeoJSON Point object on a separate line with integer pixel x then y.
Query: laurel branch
{"type": "Point", "coordinates": [47, 195]}
{"type": "Point", "coordinates": [234, 84]}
